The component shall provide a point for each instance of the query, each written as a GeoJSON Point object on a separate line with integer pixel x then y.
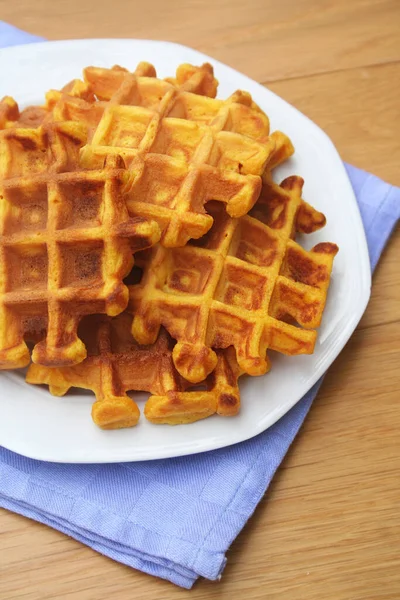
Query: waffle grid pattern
{"type": "Point", "coordinates": [236, 287]}
{"type": "Point", "coordinates": [107, 168]}
{"type": "Point", "coordinates": [66, 242]}
{"type": "Point", "coordinates": [181, 148]}
{"type": "Point", "coordinates": [116, 364]}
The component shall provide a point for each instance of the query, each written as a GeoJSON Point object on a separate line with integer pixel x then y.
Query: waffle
{"type": "Point", "coordinates": [74, 102]}
{"type": "Point", "coordinates": [105, 169]}
{"type": "Point", "coordinates": [10, 115]}
{"type": "Point", "coordinates": [242, 285]}
{"type": "Point", "coordinates": [66, 242]}
{"type": "Point", "coordinates": [181, 148]}
{"type": "Point", "coordinates": [77, 102]}
{"type": "Point", "coordinates": [116, 364]}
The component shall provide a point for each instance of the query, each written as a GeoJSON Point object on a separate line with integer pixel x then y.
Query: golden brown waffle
{"type": "Point", "coordinates": [86, 101]}
{"type": "Point", "coordinates": [40, 172]}
{"type": "Point", "coordinates": [181, 148]}
{"type": "Point", "coordinates": [66, 242]}
{"type": "Point", "coordinates": [10, 115]}
{"type": "Point", "coordinates": [239, 285]}
{"type": "Point", "coordinates": [116, 364]}
{"type": "Point", "coordinates": [89, 179]}
{"type": "Point", "coordinates": [76, 101]}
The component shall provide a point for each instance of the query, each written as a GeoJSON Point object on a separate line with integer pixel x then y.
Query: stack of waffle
{"type": "Point", "coordinates": [125, 164]}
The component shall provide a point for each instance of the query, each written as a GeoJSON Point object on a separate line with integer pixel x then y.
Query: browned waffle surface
{"type": "Point", "coordinates": [182, 147]}
{"type": "Point", "coordinates": [241, 285]}
{"type": "Point", "coordinates": [116, 363]}
{"type": "Point", "coordinates": [10, 115]}
{"type": "Point", "coordinates": [66, 242]}
{"type": "Point", "coordinates": [109, 166]}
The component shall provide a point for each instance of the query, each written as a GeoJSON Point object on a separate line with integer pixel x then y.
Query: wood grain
{"type": "Point", "coordinates": [358, 109]}
{"type": "Point", "coordinates": [329, 526]}
{"type": "Point", "coordinates": [265, 39]}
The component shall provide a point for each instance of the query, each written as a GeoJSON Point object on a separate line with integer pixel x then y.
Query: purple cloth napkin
{"type": "Point", "coordinates": [173, 518]}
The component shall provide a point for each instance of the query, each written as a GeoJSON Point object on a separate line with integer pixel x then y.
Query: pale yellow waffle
{"type": "Point", "coordinates": [116, 364]}
{"type": "Point", "coordinates": [240, 285]}
{"type": "Point", "coordinates": [66, 242]}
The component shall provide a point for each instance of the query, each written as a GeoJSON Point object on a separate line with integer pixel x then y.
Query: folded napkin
{"type": "Point", "coordinates": [173, 518]}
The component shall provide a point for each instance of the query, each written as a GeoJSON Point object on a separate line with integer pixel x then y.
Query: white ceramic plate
{"type": "Point", "coordinates": [36, 424]}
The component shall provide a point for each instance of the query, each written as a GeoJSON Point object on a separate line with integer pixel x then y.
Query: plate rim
{"type": "Point", "coordinates": [351, 324]}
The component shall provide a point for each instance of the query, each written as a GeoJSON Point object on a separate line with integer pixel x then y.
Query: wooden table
{"type": "Point", "coordinates": [329, 526]}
